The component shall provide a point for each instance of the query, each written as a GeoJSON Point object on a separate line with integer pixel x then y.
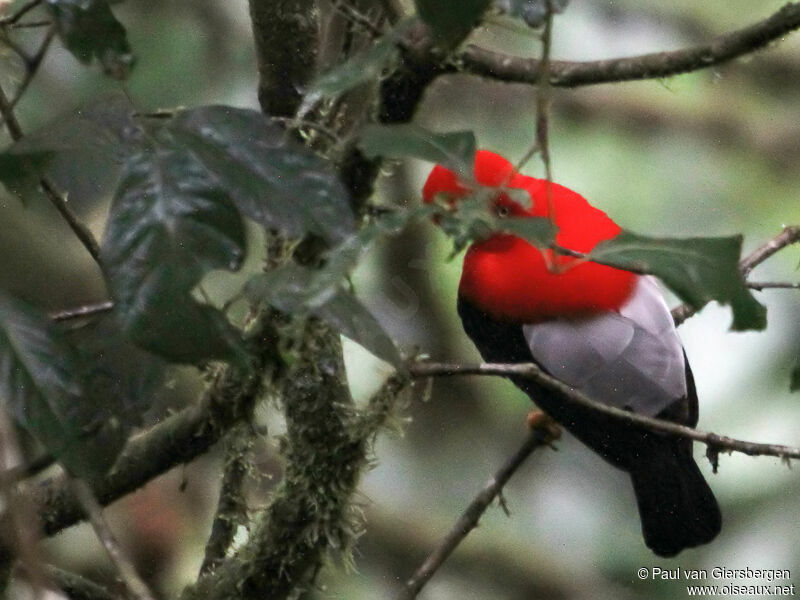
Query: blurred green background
{"type": "Point", "coordinates": [712, 153]}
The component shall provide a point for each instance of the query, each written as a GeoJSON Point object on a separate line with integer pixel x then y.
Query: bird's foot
{"type": "Point", "coordinates": [542, 422]}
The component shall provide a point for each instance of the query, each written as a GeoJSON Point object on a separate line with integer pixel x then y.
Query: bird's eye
{"type": "Point", "coordinates": [502, 211]}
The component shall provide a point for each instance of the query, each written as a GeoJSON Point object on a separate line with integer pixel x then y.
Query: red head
{"type": "Point", "coordinates": [508, 277]}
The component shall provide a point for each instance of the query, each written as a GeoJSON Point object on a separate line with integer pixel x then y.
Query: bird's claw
{"type": "Point", "coordinates": [542, 422]}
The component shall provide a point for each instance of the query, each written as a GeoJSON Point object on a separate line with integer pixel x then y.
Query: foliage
{"type": "Point", "coordinates": [189, 186]}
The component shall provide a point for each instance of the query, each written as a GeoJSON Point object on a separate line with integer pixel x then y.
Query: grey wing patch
{"type": "Point", "coordinates": [629, 359]}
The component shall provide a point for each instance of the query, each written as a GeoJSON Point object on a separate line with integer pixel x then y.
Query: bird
{"type": "Point", "coordinates": [604, 331]}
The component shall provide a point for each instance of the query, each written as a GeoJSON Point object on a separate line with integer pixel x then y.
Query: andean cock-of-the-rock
{"type": "Point", "coordinates": [604, 331]}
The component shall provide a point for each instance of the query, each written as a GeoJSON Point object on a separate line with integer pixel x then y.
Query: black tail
{"type": "Point", "coordinates": [677, 508]}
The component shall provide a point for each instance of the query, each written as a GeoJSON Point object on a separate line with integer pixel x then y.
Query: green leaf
{"type": "Point", "coordinates": [698, 270]}
{"type": "Point", "coordinates": [40, 385]}
{"type": "Point", "coordinates": [363, 67]}
{"type": "Point", "coordinates": [348, 316]}
{"type": "Point", "coordinates": [298, 290]}
{"type": "Point", "coordinates": [451, 22]}
{"type": "Point", "coordinates": [90, 31]}
{"type": "Point", "coordinates": [456, 150]}
{"type": "Point", "coordinates": [270, 179]}
{"type": "Point", "coordinates": [170, 223]}
{"type": "Point", "coordinates": [120, 380]}
{"type": "Point", "coordinates": [539, 231]}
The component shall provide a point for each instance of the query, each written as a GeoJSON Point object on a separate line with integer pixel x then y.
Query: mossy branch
{"type": "Point", "coordinates": [327, 445]}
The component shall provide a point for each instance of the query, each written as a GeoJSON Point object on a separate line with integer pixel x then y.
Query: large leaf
{"type": "Point", "coordinates": [39, 383]}
{"type": "Point", "coordinates": [362, 67]}
{"type": "Point", "coordinates": [90, 31]}
{"type": "Point", "coordinates": [272, 180]}
{"type": "Point", "coordinates": [170, 223]}
{"type": "Point", "coordinates": [698, 270]}
{"type": "Point", "coordinates": [451, 22]}
{"type": "Point", "coordinates": [297, 290]}
{"type": "Point", "coordinates": [456, 150]}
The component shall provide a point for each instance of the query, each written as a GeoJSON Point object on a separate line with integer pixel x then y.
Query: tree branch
{"type": "Point", "coordinates": [723, 48]}
{"type": "Point", "coordinates": [285, 33]}
{"type": "Point", "coordinates": [715, 443]}
{"type": "Point", "coordinates": [309, 514]}
{"type": "Point", "coordinates": [231, 507]}
{"type": "Point", "coordinates": [472, 514]}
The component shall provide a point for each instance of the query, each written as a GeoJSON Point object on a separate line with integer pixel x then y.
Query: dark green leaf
{"type": "Point", "coordinates": [451, 22]}
{"type": "Point", "coordinates": [347, 315]}
{"type": "Point", "coordinates": [273, 181]}
{"type": "Point", "coordinates": [39, 383]}
{"type": "Point", "coordinates": [698, 270]}
{"type": "Point", "coordinates": [291, 286]}
{"type": "Point", "coordinates": [456, 150]}
{"type": "Point", "coordinates": [297, 290]}
{"type": "Point", "coordinates": [90, 31]}
{"type": "Point", "coordinates": [170, 223]}
{"type": "Point", "coordinates": [120, 379]}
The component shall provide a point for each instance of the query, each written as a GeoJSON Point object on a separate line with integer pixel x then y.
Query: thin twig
{"type": "Point", "coordinates": [77, 587]}
{"type": "Point", "coordinates": [773, 285]}
{"type": "Point", "coordinates": [532, 371]}
{"type": "Point", "coordinates": [57, 200]}
{"type": "Point", "coordinates": [87, 310]}
{"type": "Point", "coordinates": [721, 49]}
{"type": "Point", "coordinates": [135, 585]}
{"type": "Point", "coordinates": [790, 235]}
{"type": "Point", "coordinates": [23, 10]}
{"type": "Point", "coordinates": [32, 65]}
{"type": "Point", "coordinates": [471, 515]}
{"type": "Point", "coordinates": [32, 24]}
